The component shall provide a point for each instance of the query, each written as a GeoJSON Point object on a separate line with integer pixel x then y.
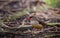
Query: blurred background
{"type": "Point", "coordinates": [30, 18]}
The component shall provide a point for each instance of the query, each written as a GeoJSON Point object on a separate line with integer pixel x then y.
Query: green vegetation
{"type": "Point", "coordinates": [18, 14]}
{"type": "Point", "coordinates": [14, 16]}
{"type": "Point", "coordinates": [53, 3]}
